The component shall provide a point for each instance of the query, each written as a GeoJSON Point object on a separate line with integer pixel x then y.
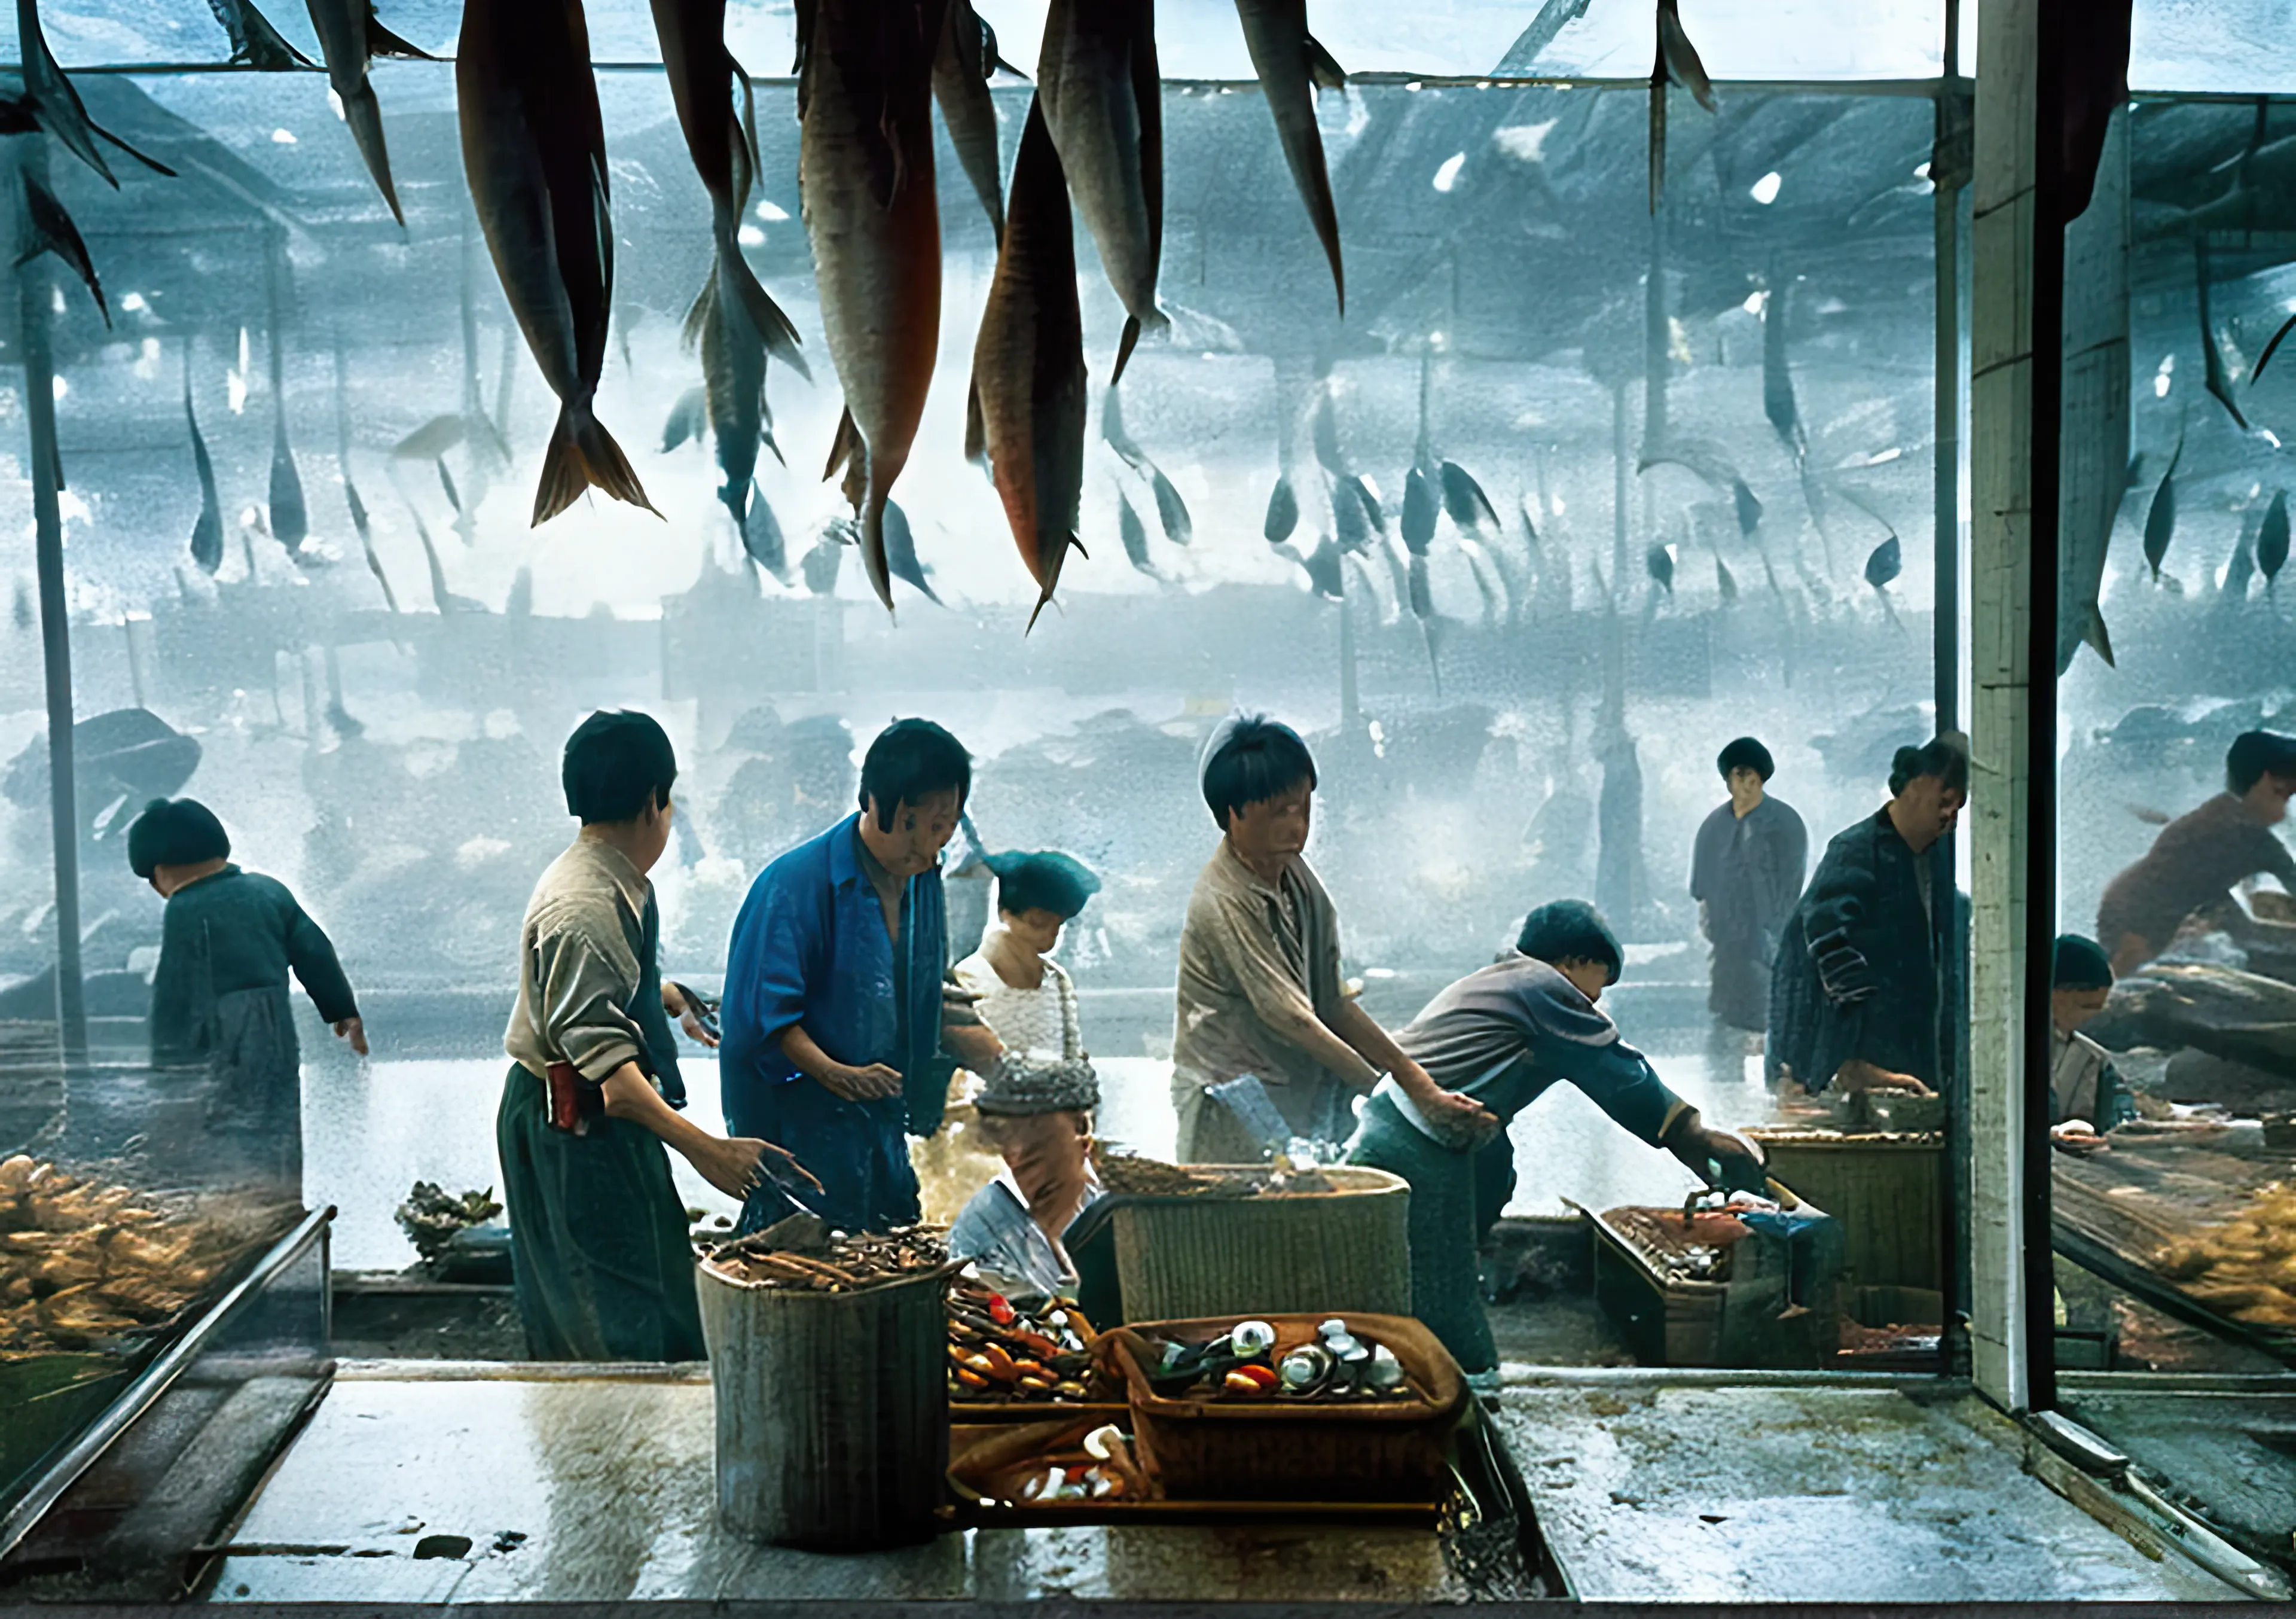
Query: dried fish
{"type": "Point", "coordinates": [206, 532]}
{"type": "Point", "coordinates": [534, 153]}
{"type": "Point", "coordinates": [350, 38]}
{"type": "Point", "coordinates": [1292, 67]}
{"type": "Point", "coordinates": [963, 66]}
{"type": "Point", "coordinates": [1026, 413]}
{"type": "Point", "coordinates": [1102, 100]}
{"type": "Point", "coordinates": [865, 180]}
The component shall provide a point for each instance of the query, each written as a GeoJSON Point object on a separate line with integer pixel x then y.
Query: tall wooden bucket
{"type": "Point", "coordinates": [1345, 1251]}
{"type": "Point", "coordinates": [832, 1409]}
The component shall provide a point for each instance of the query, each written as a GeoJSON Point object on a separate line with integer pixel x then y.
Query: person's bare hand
{"type": "Point", "coordinates": [730, 1165]}
{"type": "Point", "coordinates": [353, 1030]}
{"type": "Point", "coordinates": [1454, 1114]}
{"type": "Point", "coordinates": [1859, 1074]}
{"type": "Point", "coordinates": [872, 1083]}
{"type": "Point", "coordinates": [688, 1016]}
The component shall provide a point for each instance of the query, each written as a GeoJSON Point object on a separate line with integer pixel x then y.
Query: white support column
{"type": "Point", "coordinates": [2004, 213]}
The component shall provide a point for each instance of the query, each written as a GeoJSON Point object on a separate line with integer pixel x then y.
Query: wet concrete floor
{"type": "Point", "coordinates": [1838, 1494]}
{"type": "Point", "coordinates": [595, 1489]}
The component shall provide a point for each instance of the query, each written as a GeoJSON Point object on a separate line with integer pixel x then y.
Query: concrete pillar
{"type": "Point", "coordinates": [2005, 210]}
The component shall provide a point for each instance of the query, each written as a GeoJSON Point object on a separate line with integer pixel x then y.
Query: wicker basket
{"type": "Point", "coordinates": [1339, 1251]}
{"type": "Point", "coordinates": [1375, 1451]}
{"type": "Point", "coordinates": [1888, 1191]}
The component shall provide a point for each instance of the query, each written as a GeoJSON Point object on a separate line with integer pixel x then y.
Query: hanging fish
{"type": "Point", "coordinates": [1884, 563]}
{"type": "Point", "coordinates": [2272, 538]}
{"type": "Point", "coordinates": [1098, 84]}
{"type": "Point", "coordinates": [1134, 534]}
{"type": "Point", "coordinates": [447, 483]}
{"type": "Point", "coordinates": [1777, 377]}
{"type": "Point", "coordinates": [51, 100]}
{"type": "Point", "coordinates": [1324, 573]}
{"type": "Point", "coordinates": [1747, 508]}
{"type": "Point", "coordinates": [1420, 506]}
{"type": "Point", "coordinates": [1725, 583]}
{"type": "Point", "coordinates": [734, 387]}
{"type": "Point", "coordinates": [1355, 530]}
{"type": "Point", "coordinates": [2212, 368]}
{"type": "Point", "coordinates": [445, 600]}
{"type": "Point", "coordinates": [761, 537]}
{"type": "Point", "coordinates": [1463, 499]}
{"type": "Point", "coordinates": [49, 229]}
{"type": "Point", "coordinates": [1283, 513]}
{"type": "Point", "coordinates": [350, 489]}
{"type": "Point", "coordinates": [963, 66]}
{"type": "Point", "coordinates": [534, 153]}
{"type": "Point", "coordinates": [1291, 67]}
{"type": "Point", "coordinates": [821, 565]}
{"type": "Point", "coordinates": [206, 532]}
{"type": "Point", "coordinates": [1358, 488]}
{"type": "Point", "coordinates": [2161, 517]}
{"type": "Point", "coordinates": [290, 520]}
{"type": "Point", "coordinates": [350, 38]}
{"type": "Point", "coordinates": [703, 73]}
{"type": "Point", "coordinates": [689, 418]}
{"type": "Point", "coordinates": [1676, 64]}
{"type": "Point", "coordinates": [865, 176]}
{"type": "Point", "coordinates": [1418, 591]}
{"type": "Point", "coordinates": [901, 551]}
{"type": "Point", "coordinates": [253, 40]}
{"type": "Point", "coordinates": [1026, 411]}
{"type": "Point", "coordinates": [1171, 511]}
{"type": "Point", "coordinates": [1658, 562]}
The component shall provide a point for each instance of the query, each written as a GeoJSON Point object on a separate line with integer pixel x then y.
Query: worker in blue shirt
{"type": "Point", "coordinates": [835, 1018]}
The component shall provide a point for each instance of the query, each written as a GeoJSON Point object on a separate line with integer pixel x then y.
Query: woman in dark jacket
{"type": "Point", "coordinates": [1856, 994]}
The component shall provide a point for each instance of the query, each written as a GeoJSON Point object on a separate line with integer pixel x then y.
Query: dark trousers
{"type": "Point", "coordinates": [601, 1260]}
{"type": "Point", "coordinates": [1442, 1225]}
{"type": "Point", "coordinates": [859, 1151]}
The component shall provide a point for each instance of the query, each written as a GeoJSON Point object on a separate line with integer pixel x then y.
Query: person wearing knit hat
{"type": "Point", "coordinates": [1036, 1111]}
{"type": "Point", "coordinates": [227, 942]}
{"type": "Point", "coordinates": [2086, 1097]}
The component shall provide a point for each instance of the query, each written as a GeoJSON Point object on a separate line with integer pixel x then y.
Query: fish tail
{"type": "Point", "coordinates": [583, 455]}
{"type": "Point", "coordinates": [872, 545]}
{"type": "Point", "coordinates": [364, 113]}
{"type": "Point", "coordinates": [772, 326]}
{"type": "Point", "coordinates": [1124, 346]}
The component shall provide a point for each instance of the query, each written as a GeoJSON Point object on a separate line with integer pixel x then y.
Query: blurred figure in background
{"type": "Point", "coordinates": [228, 940]}
{"type": "Point", "coordinates": [1745, 872]}
{"type": "Point", "coordinates": [1037, 1110]}
{"type": "Point", "coordinates": [2087, 1100]}
{"type": "Point", "coordinates": [1857, 993]}
{"type": "Point", "coordinates": [2189, 872]}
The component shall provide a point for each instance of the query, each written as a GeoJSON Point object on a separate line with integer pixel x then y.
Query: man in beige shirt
{"type": "Point", "coordinates": [1259, 990]}
{"type": "Point", "coordinates": [601, 1259]}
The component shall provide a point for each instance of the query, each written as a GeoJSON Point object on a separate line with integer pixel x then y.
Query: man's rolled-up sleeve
{"type": "Point", "coordinates": [586, 983]}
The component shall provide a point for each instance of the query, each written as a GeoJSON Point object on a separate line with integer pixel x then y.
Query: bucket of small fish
{"type": "Point", "coordinates": [1338, 1407]}
{"type": "Point", "coordinates": [826, 1352]}
{"type": "Point", "coordinates": [1006, 1364]}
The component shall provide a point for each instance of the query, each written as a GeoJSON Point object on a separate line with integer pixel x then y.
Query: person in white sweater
{"type": "Point", "coordinates": [1025, 997]}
